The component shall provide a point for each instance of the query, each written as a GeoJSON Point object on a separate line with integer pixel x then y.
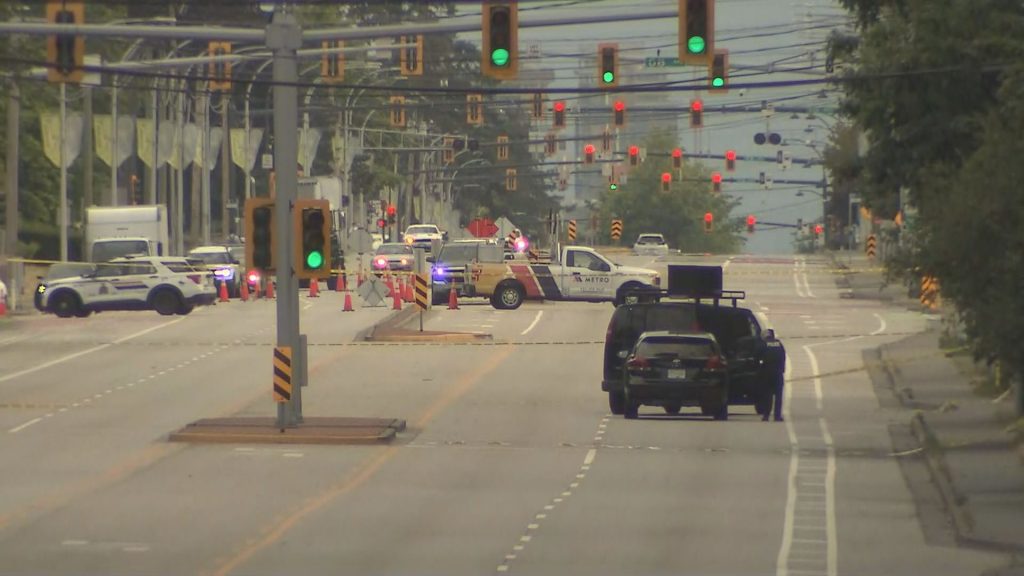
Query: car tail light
{"type": "Point", "coordinates": [715, 363]}
{"type": "Point", "coordinates": [254, 277]}
{"type": "Point", "coordinates": [637, 363]}
{"type": "Point", "coordinates": [381, 262]}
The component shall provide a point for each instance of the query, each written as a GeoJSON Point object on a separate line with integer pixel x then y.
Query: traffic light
{"type": "Point", "coordinates": [474, 109]}
{"type": "Point", "coordinates": [696, 31]}
{"type": "Point", "coordinates": [260, 252]}
{"type": "Point", "coordinates": [666, 181]}
{"type": "Point", "coordinates": [312, 245]}
{"type": "Point", "coordinates": [500, 40]}
{"type": "Point", "coordinates": [65, 53]}
{"type": "Point", "coordinates": [818, 229]}
{"type": "Point", "coordinates": [410, 59]}
{"type": "Point", "coordinates": [750, 223]}
{"type": "Point", "coordinates": [332, 64]}
{"type": "Point", "coordinates": [397, 115]}
{"type": "Point", "coordinates": [392, 213]}
{"type": "Point", "coordinates": [730, 160]}
{"type": "Point", "coordinates": [381, 222]}
{"type": "Point", "coordinates": [559, 108]}
{"type": "Point", "coordinates": [220, 71]}
{"type": "Point", "coordinates": [619, 113]}
{"type": "Point", "coordinates": [634, 155]}
{"type": "Point", "coordinates": [716, 181]}
{"type": "Point", "coordinates": [538, 105]}
{"type": "Point", "coordinates": [448, 150]}
{"type": "Point", "coordinates": [696, 114]}
{"type": "Point", "coordinates": [606, 140]}
{"type": "Point", "coordinates": [510, 179]}
{"type": "Point", "coordinates": [709, 222]}
{"type": "Point", "coordinates": [588, 154]}
{"type": "Point", "coordinates": [502, 147]}
{"type": "Point", "coordinates": [550, 146]}
{"type": "Point", "coordinates": [607, 65]}
{"type": "Point", "coordinates": [718, 72]}
{"type": "Point", "coordinates": [677, 158]}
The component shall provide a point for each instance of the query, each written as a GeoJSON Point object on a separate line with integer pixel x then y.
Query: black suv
{"type": "Point", "coordinates": [672, 370]}
{"type": "Point", "coordinates": [736, 330]}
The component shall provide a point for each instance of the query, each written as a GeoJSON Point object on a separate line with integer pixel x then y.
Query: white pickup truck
{"type": "Point", "coordinates": [581, 274]}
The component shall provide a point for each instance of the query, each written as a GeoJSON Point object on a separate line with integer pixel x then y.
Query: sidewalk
{"type": "Point", "coordinates": [976, 463]}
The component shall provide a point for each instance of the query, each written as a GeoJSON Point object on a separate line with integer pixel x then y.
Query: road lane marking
{"type": "Point", "coordinates": [882, 325]}
{"type": "Point", "coordinates": [13, 339]}
{"type": "Point", "coordinates": [532, 324]}
{"type": "Point", "coordinates": [21, 427]}
{"type": "Point", "coordinates": [69, 357]}
{"type": "Point", "coordinates": [796, 282]}
{"type": "Point", "coordinates": [830, 500]}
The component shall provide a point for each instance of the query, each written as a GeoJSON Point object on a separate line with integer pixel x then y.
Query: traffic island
{"type": "Point", "coordinates": [393, 329]}
{"type": "Point", "coordinates": [264, 430]}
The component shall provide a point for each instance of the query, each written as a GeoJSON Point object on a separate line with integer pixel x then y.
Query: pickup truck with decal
{"type": "Point", "coordinates": [580, 274]}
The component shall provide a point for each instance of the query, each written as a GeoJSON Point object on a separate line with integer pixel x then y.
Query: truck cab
{"type": "Point", "coordinates": [449, 266]}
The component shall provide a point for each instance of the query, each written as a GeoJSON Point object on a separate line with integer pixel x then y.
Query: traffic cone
{"type": "Point", "coordinates": [3, 307]}
{"type": "Point", "coordinates": [339, 283]}
{"type": "Point", "coordinates": [396, 303]}
{"type": "Point", "coordinates": [223, 292]}
{"type": "Point", "coordinates": [314, 288]}
{"type": "Point", "coordinates": [348, 303]}
{"type": "Point", "coordinates": [270, 290]}
{"type": "Point", "coordinates": [453, 300]}
{"type": "Point", "coordinates": [409, 296]}
{"type": "Point", "coordinates": [243, 291]}
{"type": "Point", "coordinates": [256, 291]}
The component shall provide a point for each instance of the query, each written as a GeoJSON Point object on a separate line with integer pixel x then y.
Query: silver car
{"type": "Point", "coordinates": [650, 245]}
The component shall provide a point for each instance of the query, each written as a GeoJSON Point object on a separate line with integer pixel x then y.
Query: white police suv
{"type": "Point", "coordinates": [167, 284]}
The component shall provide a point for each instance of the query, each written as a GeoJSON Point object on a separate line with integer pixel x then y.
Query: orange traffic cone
{"type": "Point", "coordinates": [270, 289]}
{"type": "Point", "coordinates": [396, 303]}
{"type": "Point", "coordinates": [348, 303]}
{"type": "Point", "coordinates": [314, 288]}
{"type": "Point", "coordinates": [409, 296]}
{"type": "Point", "coordinates": [223, 292]}
{"type": "Point", "coordinates": [243, 291]}
{"type": "Point", "coordinates": [3, 307]}
{"type": "Point", "coordinates": [256, 291]}
{"type": "Point", "coordinates": [339, 283]}
{"type": "Point", "coordinates": [453, 300]}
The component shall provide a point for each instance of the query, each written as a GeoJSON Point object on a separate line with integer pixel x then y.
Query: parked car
{"type": "Point", "coordinates": [650, 244]}
{"type": "Point", "coordinates": [226, 269]}
{"type": "Point", "coordinates": [676, 369]}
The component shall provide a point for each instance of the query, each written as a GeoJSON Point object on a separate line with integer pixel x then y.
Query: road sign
{"type": "Point", "coordinates": [421, 291]}
{"type": "Point", "coordinates": [616, 229]}
{"type": "Point", "coordinates": [869, 248]}
{"type": "Point", "coordinates": [373, 291]}
{"type": "Point", "coordinates": [360, 241]}
{"type": "Point", "coordinates": [929, 292]}
{"type": "Point", "coordinates": [654, 62]}
{"type": "Point", "coordinates": [572, 230]}
{"type": "Point", "coordinates": [282, 374]}
{"type": "Point", "coordinates": [482, 228]}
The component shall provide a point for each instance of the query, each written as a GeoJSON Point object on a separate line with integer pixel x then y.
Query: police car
{"type": "Point", "coordinates": [169, 285]}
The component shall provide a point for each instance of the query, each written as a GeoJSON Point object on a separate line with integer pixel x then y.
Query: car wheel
{"type": "Point", "coordinates": [64, 304]}
{"type": "Point", "coordinates": [166, 302]}
{"type": "Point", "coordinates": [509, 296]}
{"type": "Point", "coordinates": [672, 408]}
{"type": "Point", "coordinates": [185, 309]}
{"type": "Point", "coordinates": [83, 312]}
{"type": "Point", "coordinates": [617, 402]}
{"type": "Point", "coordinates": [631, 410]}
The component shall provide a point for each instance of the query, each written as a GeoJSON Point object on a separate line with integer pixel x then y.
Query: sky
{"type": "Point", "coordinates": [764, 37]}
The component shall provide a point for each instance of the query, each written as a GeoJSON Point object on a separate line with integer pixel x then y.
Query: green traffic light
{"type": "Point", "coordinates": [499, 57]}
{"type": "Point", "coordinates": [608, 77]}
{"type": "Point", "coordinates": [696, 45]}
{"type": "Point", "coordinates": [613, 187]}
{"type": "Point", "coordinates": [314, 260]}
{"type": "Point", "coordinates": [717, 82]}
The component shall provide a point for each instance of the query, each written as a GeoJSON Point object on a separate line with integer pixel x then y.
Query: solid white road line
{"type": "Point", "coordinates": [830, 500]}
{"type": "Point", "coordinates": [17, 429]}
{"type": "Point", "coordinates": [796, 282]}
{"type": "Point", "coordinates": [64, 359]}
{"type": "Point", "coordinates": [817, 378]}
{"type": "Point", "coordinates": [13, 339]}
{"type": "Point", "coordinates": [532, 324]}
{"type": "Point", "coordinates": [882, 325]}
{"type": "Point", "coordinates": [589, 459]}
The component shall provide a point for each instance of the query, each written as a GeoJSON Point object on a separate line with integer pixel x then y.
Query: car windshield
{"type": "Point", "coordinates": [211, 257]}
{"type": "Point", "coordinates": [681, 347]}
{"type": "Point", "coordinates": [422, 230]}
{"type": "Point", "coordinates": [110, 249]}
{"type": "Point", "coordinates": [386, 249]}
{"type": "Point", "coordinates": [650, 240]}
{"type": "Point", "coordinates": [68, 270]}
{"type": "Point", "coordinates": [457, 253]}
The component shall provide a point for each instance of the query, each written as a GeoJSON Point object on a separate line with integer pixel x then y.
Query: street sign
{"type": "Point", "coordinates": [869, 248]}
{"type": "Point", "coordinates": [373, 291]}
{"type": "Point", "coordinates": [360, 241]}
{"type": "Point", "coordinates": [655, 62]}
{"type": "Point", "coordinates": [616, 229]}
{"type": "Point", "coordinates": [572, 230]}
{"type": "Point", "coordinates": [421, 291]}
{"type": "Point", "coordinates": [482, 228]}
{"type": "Point", "coordinates": [282, 374]}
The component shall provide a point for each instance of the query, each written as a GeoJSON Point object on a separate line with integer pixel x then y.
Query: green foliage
{"type": "Point", "coordinates": [677, 214]}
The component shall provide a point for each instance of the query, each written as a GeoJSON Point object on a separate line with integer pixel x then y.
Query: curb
{"type": "Point", "coordinates": [963, 522]}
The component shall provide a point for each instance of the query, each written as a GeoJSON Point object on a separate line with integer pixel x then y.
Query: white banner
{"type": "Point", "coordinates": [245, 157]}
{"type": "Point", "coordinates": [102, 136]}
{"type": "Point", "coordinates": [213, 153]}
{"type": "Point", "coordinates": [49, 123]}
{"type": "Point", "coordinates": [190, 135]}
{"type": "Point", "coordinates": [343, 152]}
{"type": "Point", "coordinates": [309, 141]}
{"type": "Point", "coordinates": [144, 128]}
{"type": "Point", "coordinates": [144, 136]}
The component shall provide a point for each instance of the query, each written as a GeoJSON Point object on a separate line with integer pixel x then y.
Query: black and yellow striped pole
{"type": "Point", "coordinates": [282, 381]}
{"type": "Point", "coordinates": [421, 295]}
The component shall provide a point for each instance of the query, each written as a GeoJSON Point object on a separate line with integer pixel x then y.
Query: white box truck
{"type": "Point", "coordinates": [112, 232]}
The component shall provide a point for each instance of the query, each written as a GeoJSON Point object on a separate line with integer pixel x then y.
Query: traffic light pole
{"type": "Point", "coordinates": [284, 38]}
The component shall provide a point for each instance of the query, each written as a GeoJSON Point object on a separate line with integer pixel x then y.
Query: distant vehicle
{"type": "Point", "coordinates": [672, 370]}
{"type": "Point", "coordinates": [167, 284]}
{"type": "Point", "coordinates": [449, 267]}
{"type": "Point", "coordinates": [226, 268]}
{"type": "Point", "coordinates": [580, 274]}
{"type": "Point", "coordinates": [423, 235]}
{"type": "Point", "coordinates": [650, 244]}
{"type": "Point", "coordinates": [113, 232]}
{"type": "Point", "coordinates": [393, 257]}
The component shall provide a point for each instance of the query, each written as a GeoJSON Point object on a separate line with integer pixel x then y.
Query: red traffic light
{"type": "Point", "coordinates": [559, 106]}
{"type": "Point", "coordinates": [697, 106]}
{"type": "Point", "coordinates": [392, 210]}
{"type": "Point", "coordinates": [619, 106]}
{"type": "Point", "coordinates": [751, 220]}
{"type": "Point", "coordinates": [677, 153]}
{"type": "Point", "coordinates": [709, 217]}
{"type": "Point", "coordinates": [634, 150]}
{"type": "Point", "coordinates": [381, 223]}
{"type": "Point", "coordinates": [818, 229]}
{"type": "Point", "coordinates": [730, 155]}
{"type": "Point", "coordinates": [716, 177]}
{"type": "Point", "coordinates": [666, 177]}
{"type": "Point", "coordinates": [589, 149]}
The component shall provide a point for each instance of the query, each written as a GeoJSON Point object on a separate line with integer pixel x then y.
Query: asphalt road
{"type": "Point", "coordinates": [511, 462]}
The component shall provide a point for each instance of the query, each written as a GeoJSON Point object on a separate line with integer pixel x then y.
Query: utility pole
{"type": "Point", "coordinates": [284, 38]}
{"type": "Point", "coordinates": [62, 210]}
{"type": "Point", "coordinates": [225, 166]}
{"type": "Point", "coordinates": [11, 188]}
{"type": "Point", "coordinates": [151, 113]}
{"type": "Point", "coordinates": [115, 163]}
{"type": "Point", "coordinates": [87, 151]}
